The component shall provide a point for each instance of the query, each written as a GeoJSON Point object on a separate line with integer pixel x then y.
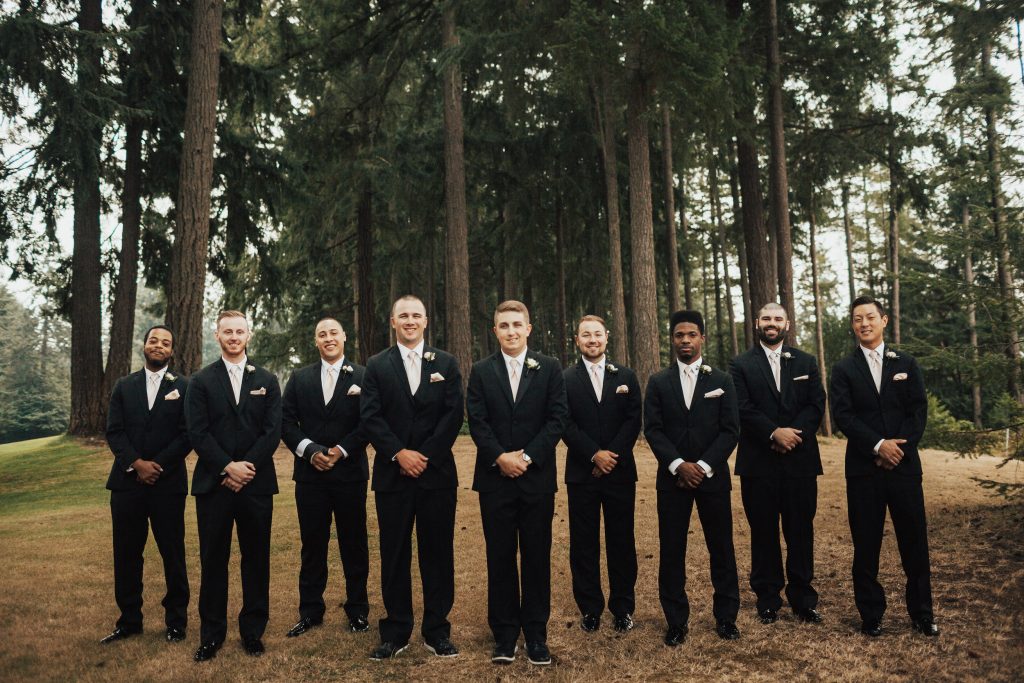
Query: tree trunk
{"type": "Point", "coordinates": [560, 303]}
{"type": "Point", "coordinates": [715, 257]}
{"type": "Point", "coordinates": [819, 330]}
{"type": "Point", "coordinates": [670, 210]}
{"type": "Point", "coordinates": [684, 236]}
{"type": "Point", "coordinates": [189, 255]}
{"type": "Point", "coordinates": [723, 250]}
{"type": "Point", "coordinates": [459, 337]}
{"type": "Point", "coordinates": [87, 399]}
{"type": "Point", "coordinates": [893, 236]}
{"type": "Point", "coordinates": [367, 330]}
{"type": "Point", "coordinates": [872, 281]}
{"type": "Point", "coordinates": [741, 248]}
{"type": "Point", "coordinates": [972, 315]}
{"type": "Point", "coordinates": [848, 231]}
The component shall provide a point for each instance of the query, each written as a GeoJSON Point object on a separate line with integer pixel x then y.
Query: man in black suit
{"type": "Point", "coordinates": [233, 409]}
{"type": "Point", "coordinates": [692, 424]}
{"type": "Point", "coordinates": [605, 418]}
{"type": "Point", "coordinates": [879, 403]}
{"type": "Point", "coordinates": [320, 425]}
{"type": "Point", "coordinates": [781, 401]}
{"type": "Point", "coordinates": [412, 411]}
{"type": "Point", "coordinates": [148, 483]}
{"type": "Point", "coordinates": [517, 412]}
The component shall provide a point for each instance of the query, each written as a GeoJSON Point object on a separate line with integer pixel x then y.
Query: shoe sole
{"type": "Point", "coordinates": [536, 662]}
{"type": "Point", "coordinates": [432, 651]}
{"type": "Point", "coordinates": [505, 659]}
{"type": "Point", "coordinates": [393, 654]}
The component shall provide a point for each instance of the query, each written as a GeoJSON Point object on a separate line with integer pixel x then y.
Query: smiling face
{"type": "Point", "coordinates": [233, 334]}
{"type": "Point", "coordinates": [330, 340]}
{"type": "Point", "coordinates": [512, 330]}
{"type": "Point", "coordinates": [158, 348]}
{"type": "Point", "coordinates": [772, 325]}
{"type": "Point", "coordinates": [409, 320]}
{"type": "Point", "coordinates": [687, 342]}
{"type": "Point", "coordinates": [868, 324]}
{"type": "Point", "coordinates": [592, 340]}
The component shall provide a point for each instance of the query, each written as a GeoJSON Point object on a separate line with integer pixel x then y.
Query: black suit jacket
{"type": "Point", "coordinates": [763, 409]}
{"type": "Point", "coordinates": [222, 432]}
{"type": "Point", "coordinates": [866, 416]}
{"type": "Point", "coordinates": [707, 431]}
{"type": "Point", "coordinates": [304, 416]}
{"type": "Point", "coordinates": [134, 431]}
{"type": "Point", "coordinates": [428, 422]}
{"type": "Point", "coordinates": [533, 422]}
{"type": "Point", "coordinates": [612, 424]}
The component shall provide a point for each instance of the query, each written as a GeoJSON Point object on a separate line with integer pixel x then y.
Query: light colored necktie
{"type": "Point", "coordinates": [329, 386]}
{"type": "Point", "coordinates": [688, 385]}
{"type": "Point", "coordinates": [236, 382]}
{"type": "Point", "coordinates": [774, 357]}
{"type": "Point", "coordinates": [514, 377]}
{"type": "Point", "coordinates": [595, 379]}
{"type": "Point", "coordinates": [876, 369]}
{"type": "Point", "coordinates": [152, 388]}
{"type": "Point", "coordinates": [412, 369]}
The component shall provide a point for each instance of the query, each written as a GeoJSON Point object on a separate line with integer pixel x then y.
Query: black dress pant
{"type": "Point", "coordinates": [867, 499]}
{"type": "Point", "coordinates": [586, 501]}
{"type": "Point", "coordinates": [433, 512]}
{"type": "Point", "coordinates": [715, 511]}
{"type": "Point", "coordinates": [316, 504]}
{"type": "Point", "coordinates": [132, 512]}
{"type": "Point", "coordinates": [517, 530]}
{"type": "Point", "coordinates": [217, 514]}
{"type": "Point", "coordinates": [794, 500]}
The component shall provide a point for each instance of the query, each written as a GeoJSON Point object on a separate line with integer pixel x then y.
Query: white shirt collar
{"type": "Point", "coordinates": [599, 364]}
{"type": "Point", "coordinates": [404, 350]}
{"type": "Point", "coordinates": [867, 352]}
{"type": "Point", "coordinates": [240, 366]}
{"type": "Point", "coordinates": [519, 359]}
{"type": "Point", "coordinates": [695, 365]}
{"type": "Point", "coordinates": [768, 352]}
{"type": "Point", "coordinates": [337, 366]}
{"type": "Point", "coordinates": [159, 373]}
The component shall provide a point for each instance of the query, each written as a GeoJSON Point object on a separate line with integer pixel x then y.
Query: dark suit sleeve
{"type": "Point", "coordinates": [721, 448]}
{"type": "Point", "coordinates": [479, 427]}
{"type": "Point", "coordinates": [578, 441]}
{"type": "Point", "coordinates": [754, 421]}
{"type": "Point", "coordinates": [197, 417]}
{"type": "Point", "coordinates": [290, 431]}
{"type": "Point", "coordinates": [629, 430]}
{"type": "Point", "coordinates": [809, 418]}
{"type": "Point", "coordinates": [856, 430]}
{"type": "Point", "coordinates": [541, 448]}
{"type": "Point", "coordinates": [270, 430]}
{"type": "Point", "coordinates": [438, 446]}
{"type": "Point", "coordinates": [912, 427]}
{"type": "Point", "coordinates": [654, 425]}
{"type": "Point", "coordinates": [371, 413]}
{"type": "Point", "coordinates": [117, 438]}
{"type": "Point", "coordinates": [179, 447]}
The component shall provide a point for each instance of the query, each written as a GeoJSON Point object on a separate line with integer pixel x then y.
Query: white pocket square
{"type": "Point", "coordinates": [714, 394]}
{"type": "Point", "coordinates": [801, 377]}
{"type": "Point", "coordinates": [262, 391]}
{"type": "Point", "coordinates": [436, 377]}
{"type": "Point", "coordinates": [899, 377]}
{"type": "Point", "coordinates": [354, 390]}
{"type": "Point", "coordinates": [172, 396]}
{"type": "Point", "coordinates": [622, 389]}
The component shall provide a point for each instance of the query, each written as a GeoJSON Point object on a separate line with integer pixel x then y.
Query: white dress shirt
{"type": "Point", "coordinates": [881, 359]}
{"type": "Point", "coordinates": [300, 450]}
{"type": "Point", "coordinates": [768, 354]}
{"type": "Point", "coordinates": [241, 374]}
{"type": "Point", "coordinates": [590, 367]}
{"type": "Point", "coordinates": [153, 379]}
{"type": "Point", "coordinates": [674, 465]}
{"type": "Point", "coordinates": [520, 369]}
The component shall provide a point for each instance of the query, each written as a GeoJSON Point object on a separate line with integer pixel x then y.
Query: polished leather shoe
{"type": "Point", "coordinates": [538, 653]}
{"type": "Point", "coordinates": [504, 653]}
{"type": "Point", "coordinates": [925, 626]}
{"type": "Point", "coordinates": [174, 634]}
{"type": "Point", "coordinates": [253, 647]}
{"type": "Point", "coordinates": [768, 616]}
{"type": "Point", "coordinates": [387, 650]}
{"type": "Point", "coordinates": [120, 633]}
{"type": "Point", "coordinates": [590, 622]}
{"type": "Point", "coordinates": [206, 652]}
{"type": "Point", "coordinates": [809, 616]}
{"type": "Point", "coordinates": [727, 630]}
{"type": "Point", "coordinates": [872, 628]}
{"type": "Point", "coordinates": [623, 623]}
{"type": "Point", "coordinates": [305, 623]}
{"type": "Point", "coordinates": [358, 624]}
{"type": "Point", "coordinates": [675, 635]}
{"type": "Point", "coordinates": [442, 647]}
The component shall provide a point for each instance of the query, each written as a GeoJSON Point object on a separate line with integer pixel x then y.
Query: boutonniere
{"type": "Point", "coordinates": [347, 369]}
{"type": "Point", "coordinates": [532, 364]}
{"type": "Point", "coordinates": [786, 355]}
{"type": "Point", "coordinates": [429, 356]}
{"type": "Point", "coordinates": [250, 368]}
{"type": "Point", "coordinates": [168, 377]}
{"type": "Point", "coordinates": [892, 355]}
{"type": "Point", "coordinates": [705, 369]}
{"type": "Point", "coordinates": [611, 368]}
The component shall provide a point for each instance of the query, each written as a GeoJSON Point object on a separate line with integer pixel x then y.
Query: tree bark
{"type": "Point", "coordinates": [741, 248]}
{"type": "Point", "coordinates": [893, 236]}
{"type": "Point", "coordinates": [367, 330]}
{"type": "Point", "coordinates": [189, 255]}
{"type": "Point", "coordinates": [684, 237]}
{"type": "Point", "coordinates": [872, 281]}
{"type": "Point", "coordinates": [972, 315]}
{"type": "Point", "coordinates": [819, 331]}
{"type": "Point", "coordinates": [716, 253]}
{"type": "Point", "coordinates": [560, 303]}
{"type": "Point", "coordinates": [670, 210]}
{"type": "Point", "coordinates": [723, 250]}
{"type": "Point", "coordinates": [848, 231]}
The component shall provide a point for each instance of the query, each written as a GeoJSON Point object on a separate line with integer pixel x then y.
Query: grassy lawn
{"type": "Point", "coordinates": [57, 592]}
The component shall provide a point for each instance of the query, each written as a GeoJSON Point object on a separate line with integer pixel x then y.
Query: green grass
{"type": "Point", "coordinates": [51, 473]}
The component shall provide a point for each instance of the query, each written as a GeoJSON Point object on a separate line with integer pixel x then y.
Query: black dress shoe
{"type": "Point", "coordinates": [538, 653]}
{"type": "Point", "coordinates": [768, 616]}
{"type": "Point", "coordinates": [358, 624]}
{"type": "Point", "coordinates": [120, 633]}
{"type": "Point", "coordinates": [206, 651]}
{"type": "Point", "coordinates": [925, 626]}
{"type": "Point", "coordinates": [442, 647]}
{"type": "Point", "coordinates": [872, 628]}
{"type": "Point", "coordinates": [623, 623]}
{"type": "Point", "coordinates": [676, 634]}
{"type": "Point", "coordinates": [253, 647]}
{"type": "Point", "coordinates": [590, 622]}
{"type": "Point", "coordinates": [174, 634]}
{"type": "Point", "coordinates": [727, 630]}
{"type": "Point", "coordinates": [387, 650]}
{"type": "Point", "coordinates": [305, 623]}
{"type": "Point", "coordinates": [808, 616]}
{"type": "Point", "coordinates": [504, 653]}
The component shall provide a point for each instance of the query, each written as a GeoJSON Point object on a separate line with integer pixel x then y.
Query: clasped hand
{"type": "Point", "coordinates": [512, 464]}
{"type": "Point", "coordinates": [604, 462]}
{"type": "Point", "coordinates": [412, 463]}
{"type": "Point", "coordinates": [148, 471]}
{"type": "Point", "coordinates": [890, 454]}
{"type": "Point", "coordinates": [785, 439]}
{"type": "Point", "coordinates": [239, 473]}
{"type": "Point", "coordinates": [325, 461]}
{"type": "Point", "coordinates": [689, 475]}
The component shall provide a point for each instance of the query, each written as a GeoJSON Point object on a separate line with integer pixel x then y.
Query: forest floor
{"type": "Point", "coordinates": [56, 592]}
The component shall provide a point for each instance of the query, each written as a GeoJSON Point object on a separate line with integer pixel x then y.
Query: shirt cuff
{"type": "Point", "coordinates": [592, 457]}
{"type": "Point", "coordinates": [877, 446]}
{"type": "Point", "coordinates": [301, 448]}
{"type": "Point", "coordinates": [674, 465]}
{"type": "Point", "coordinates": [771, 437]}
{"type": "Point", "coordinates": [708, 472]}
{"type": "Point", "coordinates": [527, 458]}
{"type": "Point", "coordinates": [344, 453]}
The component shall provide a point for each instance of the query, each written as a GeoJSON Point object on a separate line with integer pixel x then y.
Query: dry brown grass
{"type": "Point", "coordinates": [56, 597]}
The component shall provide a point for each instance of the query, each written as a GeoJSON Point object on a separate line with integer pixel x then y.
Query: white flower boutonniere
{"type": "Point", "coordinates": [787, 355]}
{"type": "Point", "coordinates": [532, 364]}
{"type": "Point", "coordinates": [347, 369]}
{"type": "Point", "coordinates": [168, 377]}
{"type": "Point", "coordinates": [429, 356]}
{"type": "Point", "coordinates": [892, 355]}
{"type": "Point", "coordinates": [250, 368]}
{"type": "Point", "coordinates": [705, 369]}
{"type": "Point", "coordinates": [611, 368]}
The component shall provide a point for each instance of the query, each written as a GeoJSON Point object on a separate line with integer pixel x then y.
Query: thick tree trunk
{"type": "Point", "coordinates": [848, 231]}
{"type": "Point", "coordinates": [972, 315]}
{"type": "Point", "coordinates": [716, 256]}
{"type": "Point", "coordinates": [819, 330]}
{"type": "Point", "coordinates": [562, 336]}
{"type": "Point", "coordinates": [367, 330]}
{"type": "Point", "coordinates": [684, 237]}
{"type": "Point", "coordinates": [893, 236]}
{"type": "Point", "coordinates": [459, 337]}
{"type": "Point", "coordinates": [670, 209]}
{"type": "Point", "coordinates": [723, 250]}
{"type": "Point", "coordinates": [868, 249]}
{"type": "Point", "coordinates": [87, 399]}
{"type": "Point", "coordinates": [741, 248]}
{"type": "Point", "coordinates": [191, 241]}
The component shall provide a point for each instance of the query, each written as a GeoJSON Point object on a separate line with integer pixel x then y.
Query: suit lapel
{"type": "Point", "coordinates": [498, 361]}
{"type": "Point", "coordinates": [608, 386]}
{"type": "Point", "coordinates": [888, 370]}
{"type": "Point", "coordinates": [525, 375]}
{"type": "Point", "coordinates": [584, 378]}
{"type": "Point", "coordinates": [225, 381]}
{"type": "Point", "coordinates": [677, 386]}
{"type": "Point", "coordinates": [862, 364]}
{"type": "Point", "coordinates": [424, 369]}
{"type": "Point", "coordinates": [247, 385]}
{"type": "Point", "coordinates": [139, 388]}
{"type": "Point", "coordinates": [698, 390]}
{"type": "Point", "coordinates": [785, 373]}
{"type": "Point", "coordinates": [766, 369]}
{"type": "Point", "coordinates": [341, 387]}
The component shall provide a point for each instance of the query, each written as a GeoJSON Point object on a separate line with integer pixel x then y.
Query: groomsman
{"type": "Point", "coordinates": [879, 403]}
{"type": "Point", "coordinates": [148, 484]}
{"type": "Point", "coordinates": [412, 412]}
{"type": "Point", "coordinates": [605, 409]}
{"type": "Point", "coordinates": [233, 410]}
{"type": "Point", "coordinates": [517, 410]}
{"type": "Point", "coordinates": [320, 425]}
{"type": "Point", "coordinates": [692, 424]}
{"type": "Point", "coordinates": [781, 402]}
